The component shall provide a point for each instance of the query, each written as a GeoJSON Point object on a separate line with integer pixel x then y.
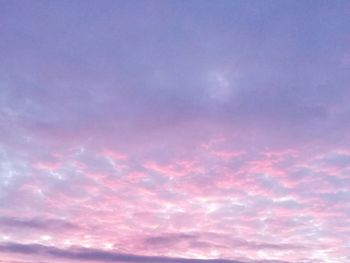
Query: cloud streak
{"type": "Point", "coordinates": [93, 255]}
{"type": "Point", "coordinates": [35, 223]}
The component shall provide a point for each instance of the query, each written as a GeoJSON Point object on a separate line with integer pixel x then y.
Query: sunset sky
{"type": "Point", "coordinates": [174, 131]}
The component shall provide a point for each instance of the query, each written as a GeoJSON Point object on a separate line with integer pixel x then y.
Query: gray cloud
{"type": "Point", "coordinates": [168, 239]}
{"type": "Point", "coordinates": [35, 223]}
{"type": "Point", "coordinates": [211, 240]}
{"type": "Point", "coordinates": [97, 255]}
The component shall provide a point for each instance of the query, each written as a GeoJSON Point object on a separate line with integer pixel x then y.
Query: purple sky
{"type": "Point", "coordinates": [175, 131]}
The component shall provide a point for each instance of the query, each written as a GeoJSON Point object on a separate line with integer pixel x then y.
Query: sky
{"type": "Point", "coordinates": [175, 131]}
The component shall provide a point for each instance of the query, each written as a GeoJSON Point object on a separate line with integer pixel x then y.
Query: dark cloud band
{"type": "Point", "coordinates": [97, 255]}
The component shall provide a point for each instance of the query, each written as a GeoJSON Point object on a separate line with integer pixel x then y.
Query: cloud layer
{"type": "Point", "coordinates": [165, 129]}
